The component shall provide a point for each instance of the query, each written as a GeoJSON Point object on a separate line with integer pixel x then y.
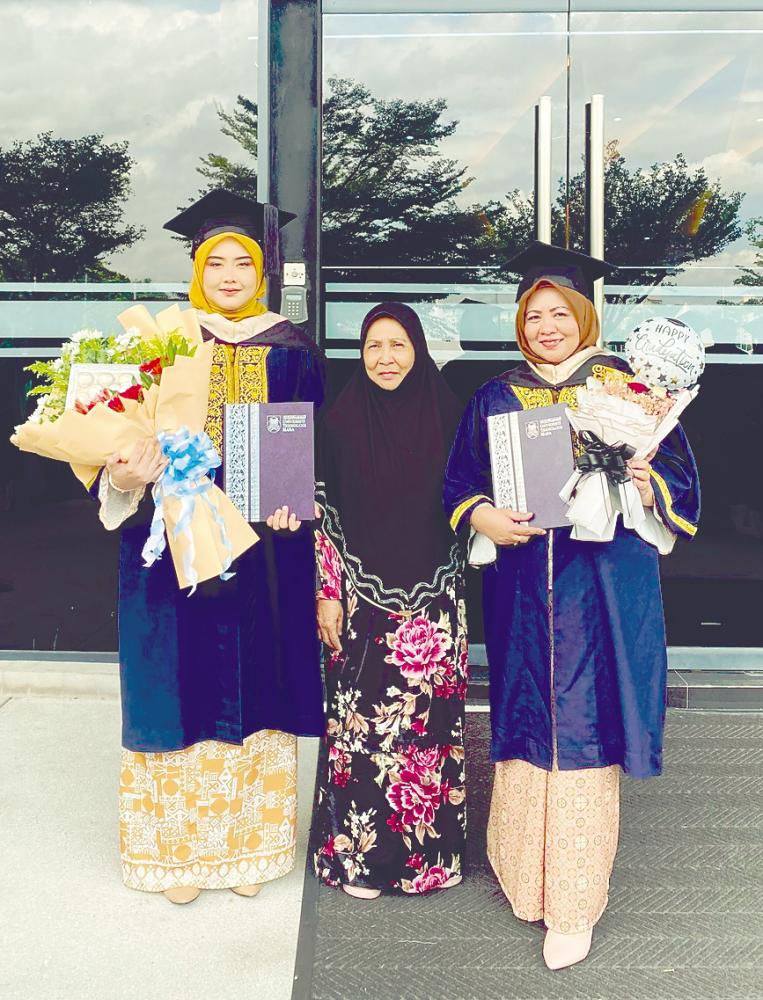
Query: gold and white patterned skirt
{"type": "Point", "coordinates": [552, 839]}
{"type": "Point", "coordinates": [214, 815]}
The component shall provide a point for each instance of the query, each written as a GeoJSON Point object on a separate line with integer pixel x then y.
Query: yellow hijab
{"type": "Point", "coordinates": [582, 309]}
{"type": "Point", "coordinates": [196, 292]}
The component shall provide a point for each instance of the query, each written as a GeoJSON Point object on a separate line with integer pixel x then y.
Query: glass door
{"type": "Point", "coordinates": [682, 97]}
{"type": "Point", "coordinates": [428, 172]}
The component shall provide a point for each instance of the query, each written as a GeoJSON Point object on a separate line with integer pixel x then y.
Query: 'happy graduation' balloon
{"type": "Point", "coordinates": [665, 352]}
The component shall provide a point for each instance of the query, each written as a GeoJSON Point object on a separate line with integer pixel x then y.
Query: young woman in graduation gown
{"type": "Point", "coordinates": [574, 631]}
{"type": "Point", "coordinates": [391, 811]}
{"type": "Point", "coordinates": [216, 686]}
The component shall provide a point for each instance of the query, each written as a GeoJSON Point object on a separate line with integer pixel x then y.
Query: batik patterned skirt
{"type": "Point", "coordinates": [213, 816]}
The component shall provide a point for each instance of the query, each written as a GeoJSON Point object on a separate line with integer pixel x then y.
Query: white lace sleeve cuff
{"type": "Point", "coordinates": [116, 506]}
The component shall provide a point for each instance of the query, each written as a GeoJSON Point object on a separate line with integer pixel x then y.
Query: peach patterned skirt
{"type": "Point", "coordinates": [552, 838]}
{"type": "Point", "coordinates": [214, 815]}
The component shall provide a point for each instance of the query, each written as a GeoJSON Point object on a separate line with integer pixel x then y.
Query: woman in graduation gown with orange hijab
{"type": "Point", "coordinates": [574, 630]}
{"type": "Point", "coordinates": [217, 685]}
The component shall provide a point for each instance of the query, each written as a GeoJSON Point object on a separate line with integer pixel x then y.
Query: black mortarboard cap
{"type": "Point", "coordinates": [565, 267]}
{"type": "Point", "coordinates": [221, 211]}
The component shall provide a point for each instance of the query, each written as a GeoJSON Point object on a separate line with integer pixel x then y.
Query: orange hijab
{"type": "Point", "coordinates": [582, 309]}
{"type": "Point", "coordinates": [196, 292]}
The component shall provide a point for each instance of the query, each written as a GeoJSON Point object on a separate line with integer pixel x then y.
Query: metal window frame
{"type": "Point", "coordinates": [535, 6]}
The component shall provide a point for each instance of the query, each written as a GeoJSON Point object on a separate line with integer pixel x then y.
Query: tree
{"type": "Point", "coordinates": [753, 275]}
{"type": "Point", "coordinates": [391, 198]}
{"type": "Point", "coordinates": [388, 193]}
{"type": "Point", "coordinates": [218, 170]}
{"type": "Point", "coordinates": [61, 208]}
{"type": "Point", "coordinates": [658, 218]}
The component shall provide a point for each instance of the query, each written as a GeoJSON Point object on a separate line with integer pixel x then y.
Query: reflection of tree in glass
{"type": "Point", "coordinates": [753, 275]}
{"type": "Point", "coordinates": [389, 196]}
{"type": "Point", "coordinates": [658, 218]}
{"type": "Point", "coordinates": [219, 171]}
{"type": "Point", "coordinates": [388, 193]}
{"type": "Point", "coordinates": [61, 208]}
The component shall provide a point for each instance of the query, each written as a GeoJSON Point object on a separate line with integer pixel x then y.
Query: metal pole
{"type": "Point", "coordinates": [595, 190]}
{"type": "Point", "coordinates": [543, 170]}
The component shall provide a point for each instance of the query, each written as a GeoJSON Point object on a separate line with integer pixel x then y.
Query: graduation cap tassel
{"type": "Point", "coordinates": [271, 247]}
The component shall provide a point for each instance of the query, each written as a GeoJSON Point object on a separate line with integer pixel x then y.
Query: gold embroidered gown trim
{"type": "Point", "coordinates": [238, 375]}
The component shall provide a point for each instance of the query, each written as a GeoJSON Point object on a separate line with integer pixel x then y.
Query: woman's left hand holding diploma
{"type": "Point", "coordinates": [282, 520]}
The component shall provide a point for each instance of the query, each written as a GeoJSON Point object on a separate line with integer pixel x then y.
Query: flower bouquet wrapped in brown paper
{"type": "Point", "coordinates": [205, 530]}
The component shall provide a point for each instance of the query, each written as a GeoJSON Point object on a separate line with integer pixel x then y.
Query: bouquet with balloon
{"type": "Point", "coordinates": [626, 417]}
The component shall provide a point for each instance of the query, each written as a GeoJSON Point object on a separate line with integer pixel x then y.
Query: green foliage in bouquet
{"type": "Point", "coordinates": [93, 347]}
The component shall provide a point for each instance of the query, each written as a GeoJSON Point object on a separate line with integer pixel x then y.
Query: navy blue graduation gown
{"type": "Point", "coordinates": [574, 630]}
{"type": "Point", "coordinates": [239, 655]}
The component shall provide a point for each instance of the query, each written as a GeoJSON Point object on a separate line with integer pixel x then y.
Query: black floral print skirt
{"type": "Point", "coordinates": [391, 805]}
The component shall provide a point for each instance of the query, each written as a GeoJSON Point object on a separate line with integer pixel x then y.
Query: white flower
{"type": "Point", "coordinates": [81, 335]}
{"type": "Point", "coordinates": [57, 365]}
{"type": "Point", "coordinates": [124, 341]}
{"type": "Point", "coordinates": [39, 413]}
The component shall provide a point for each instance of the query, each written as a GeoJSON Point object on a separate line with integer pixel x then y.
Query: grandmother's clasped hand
{"type": "Point", "coordinates": [330, 616]}
{"type": "Point", "coordinates": [504, 527]}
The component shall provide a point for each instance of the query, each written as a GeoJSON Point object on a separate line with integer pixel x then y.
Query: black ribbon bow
{"type": "Point", "coordinates": [611, 459]}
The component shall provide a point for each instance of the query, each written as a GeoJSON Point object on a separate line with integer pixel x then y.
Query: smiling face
{"type": "Point", "coordinates": [388, 353]}
{"type": "Point", "coordinates": [550, 327]}
{"type": "Point", "coordinates": [230, 278]}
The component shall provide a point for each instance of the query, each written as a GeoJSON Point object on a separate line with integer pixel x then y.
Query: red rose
{"type": "Point", "coordinates": [153, 367]}
{"type": "Point", "coordinates": [395, 824]}
{"type": "Point", "coordinates": [433, 878]}
{"type": "Point", "coordinates": [417, 648]}
{"type": "Point", "coordinates": [328, 848]}
{"type": "Point", "coordinates": [102, 397]}
{"type": "Point", "coordinates": [341, 778]}
{"type": "Point", "coordinates": [415, 861]}
{"type": "Point", "coordinates": [132, 392]}
{"type": "Point", "coordinates": [638, 387]}
{"type": "Point", "coordinates": [415, 798]}
{"type": "Point", "coordinates": [421, 760]}
{"type": "Point", "coordinates": [419, 726]}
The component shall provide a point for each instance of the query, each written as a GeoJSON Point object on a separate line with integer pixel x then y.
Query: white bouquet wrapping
{"type": "Point", "coordinates": [598, 495]}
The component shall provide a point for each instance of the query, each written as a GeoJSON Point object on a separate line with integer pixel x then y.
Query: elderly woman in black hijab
{"type": "Point", "coordinates": [391, 813]}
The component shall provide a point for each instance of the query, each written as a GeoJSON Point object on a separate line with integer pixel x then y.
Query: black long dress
{"type": "Point", "coordinates": [391, 809]}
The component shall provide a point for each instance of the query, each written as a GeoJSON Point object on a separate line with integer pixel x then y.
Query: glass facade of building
{"type": "Point", "coordinates": [122, 112]}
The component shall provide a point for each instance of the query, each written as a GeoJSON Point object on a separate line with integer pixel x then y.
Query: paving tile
{"type": "Point", "coordinates": [685, 920]}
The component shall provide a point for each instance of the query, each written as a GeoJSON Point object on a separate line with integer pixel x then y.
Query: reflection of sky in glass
{"type": "Point", "coordinates": [153, 71]}
{"type": "Point", "coordinates": [680, 83]}
{"type": "Point", "coordinates": [491, 69]}
{"type": "Point", "coordinates": [673, 82]}
{"type": "Point", "coordinates": [148, 71]}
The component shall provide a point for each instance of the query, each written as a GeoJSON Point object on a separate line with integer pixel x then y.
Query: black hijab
{"type": "Point", "coordinates": [382, 454]}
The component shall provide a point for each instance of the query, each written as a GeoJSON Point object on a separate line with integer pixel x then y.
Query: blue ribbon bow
{"type": "Point", "coordinates": [191, 457]}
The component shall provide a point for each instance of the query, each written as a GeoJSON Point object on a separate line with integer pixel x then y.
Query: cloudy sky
{"type": "Point", "coordinates": [154, 72]}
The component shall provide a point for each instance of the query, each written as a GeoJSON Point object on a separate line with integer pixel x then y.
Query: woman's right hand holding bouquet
{"type": "Point", "coordinates": [144, 466]}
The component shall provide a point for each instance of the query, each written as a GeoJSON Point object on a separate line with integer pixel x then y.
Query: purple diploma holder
{"type": "Point", "coordinates": [268, 459]}
{"type": "Point", "coordinates": [531, 459]}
